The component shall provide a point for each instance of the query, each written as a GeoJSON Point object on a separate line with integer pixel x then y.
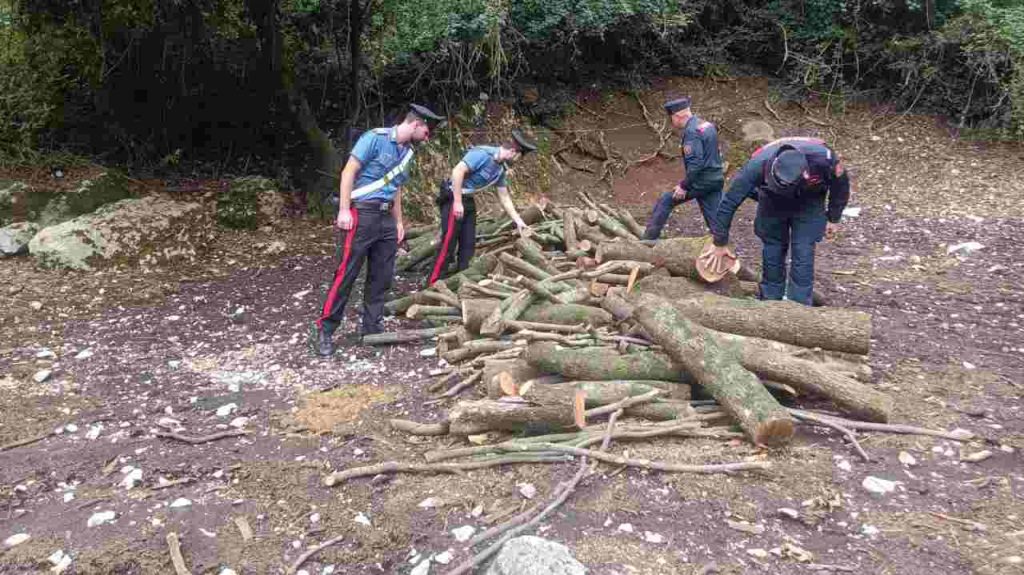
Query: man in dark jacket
{"type": "Point", "coordinates": [801, 189]}
{"type": "Point", "coordinates": [703, 163]}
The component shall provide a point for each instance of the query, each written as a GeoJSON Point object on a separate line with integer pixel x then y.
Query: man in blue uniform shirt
{"type": "Point", "coordinates": [790, 179]}
{"type": "Point", "coordinates": [370, 216]}
{"type": "Point", "coordinates": [703, 163]}
{"type": "Point", "coordinates": [481, 168]}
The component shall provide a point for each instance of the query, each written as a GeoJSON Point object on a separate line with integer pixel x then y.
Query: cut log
{"type": "Point", "coordinates": [417, 311]}
{"type": "Point", "coordinates": [534, 212]}
{"type": "Point", "coordinates": [476, 347]}
{"type": "Point", "coordinates": [600, 364]}
{"type": "Point", "coordinates": [716, 366]}
{"type": "Point", "coordinates": [569, 230]}
{"type": "Point", "coordinates": [406, 336]}
{"type": "Point", "coordinates": [477, 270]}
{"type": "Point", "coordinates": [523, 267]}
{"type": "Point", "coordinates": [853, 397]}
{"type": "Point", "coordinates": [566, 314]}
{"type": "Point", "coordinates": [680, 288]}
{"type": "Point", "coordinates": [421, 249]}
{"type": "Point", "coordinates": [509, 310]}
{"type": "Point", "coordinates": [473, 417]}
{"type": "Point", "coordinates": [531, 252]}
{"type": "Point", "coordinates": [600, 393]}
{"type": "Point", "coordinates": [676, 254]}
{"type": "Point", "coordinates": [518, 370]}
{"type": "Point", "coordinates": [617, 305]}
{"type": "Point", "coordinates": [475, 311]}
{"type": "Point", "coordinates": [825, 328]}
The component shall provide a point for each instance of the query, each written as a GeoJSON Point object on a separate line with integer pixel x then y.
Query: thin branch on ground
{"type": "Point", "coordinates": [202, 438]}
{"type": "Point", "coordinates": [311, 552]}
{"type": "Point", "coordinates": [811, 418]}
{"type": "Point", "coordinates": [23, 442]}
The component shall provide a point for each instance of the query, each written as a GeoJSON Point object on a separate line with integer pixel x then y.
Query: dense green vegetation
{"type": "Point", "coordinates": [278, 85]}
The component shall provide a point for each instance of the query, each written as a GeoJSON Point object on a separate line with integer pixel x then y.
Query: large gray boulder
{"type": "Point", "coordinates": [15, 237]}
{"type": "Point", "coordinates": [90, 194]}
{"type": "Point", "coordinates": [530, 555]}
{"type": "Point", "coordinates": [146, 231]}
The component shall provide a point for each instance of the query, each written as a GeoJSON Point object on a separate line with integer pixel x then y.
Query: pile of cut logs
{"type": "Point", "coordinates": [581, 318]}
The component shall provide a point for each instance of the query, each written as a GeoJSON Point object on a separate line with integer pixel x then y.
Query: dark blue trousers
{"type": "Point", "coordinates": [708, 195]}
{"type": "Point", "coordinates": [794, 234]}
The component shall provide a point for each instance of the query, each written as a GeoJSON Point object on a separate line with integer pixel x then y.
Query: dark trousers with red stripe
{"type": "Point", "coordinates": [456, 234]}
{"type": "Point", "coordinates": [374, 238]}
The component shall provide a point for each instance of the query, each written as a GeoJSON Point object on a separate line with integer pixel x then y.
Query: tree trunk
{"type": "Point", "coordinates": [717, 368]}
{"type": "Point", "coordinates": [531, 252]}
{"type": "Point", "coordinates": [602, 364]}
{"type": "Point", "coordinates": [680, 288]}
{"type": "Point", "coordinates": [827, 328]}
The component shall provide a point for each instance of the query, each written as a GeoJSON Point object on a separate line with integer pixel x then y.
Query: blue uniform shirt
{"type": "Point", "coordinates": [700, 153]}
{"type": "Point", "coordinates": [379, 153]}
{"type": "Point", "coordinates": [826, 175]}
{"type": "Point", "coordinates": [484, 169]}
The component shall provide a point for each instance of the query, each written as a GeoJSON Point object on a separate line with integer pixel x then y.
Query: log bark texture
{"type": "Point", "coordinates": [566, 314]}
{"type": "Point", "coordinates": [600, 393]}
{"type": "Point", "coordinates": [475, 311]}
{"type": "Point", "coordinates": [827, 328]}
{"type": "Point", "coordinates": [473, 417]}
{"type": "Point", "coordinates": [716, 366]}
{"type": "Point", "coordinates": [602, 364]}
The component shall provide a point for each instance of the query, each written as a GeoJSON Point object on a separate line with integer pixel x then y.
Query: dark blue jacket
{"type": "Point", "coordinates": [700, 154]}
{"type": "Point", "coordinates": [826, 177]}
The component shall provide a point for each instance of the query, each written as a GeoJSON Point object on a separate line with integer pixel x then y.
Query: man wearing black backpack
{"type": "Point", "coordinates": [801, 189]}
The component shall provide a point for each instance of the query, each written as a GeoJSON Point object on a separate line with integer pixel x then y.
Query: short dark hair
{"type": "Point", "coordinates": [511, 144]}
{"type": "Point", "coordinates": [410, 116]}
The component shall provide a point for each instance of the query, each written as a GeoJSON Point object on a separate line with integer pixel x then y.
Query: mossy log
{"type": "Point", "coordinates": [531, 252]}
{"type": "Point", "coordinates": [473, 417]}
{"type": "Point", "coordinates": [406, 336]}
{"type": "Point", "coordinates": [600, 393]}
{"type": "Point", "coordinates": [826, 328]}
{"type": "Point", "coordinates": [715, 365]}
{"type": "Point", "coordinates": [475, 311]}
{"type": "Point", "coordinates": [566, 314]}
{"type": "Point", "coordinates": [602, 364]}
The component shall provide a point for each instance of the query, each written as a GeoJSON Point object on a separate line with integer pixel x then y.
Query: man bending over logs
{"type": "Point", "coordinates": [790, 178]}
{"type": "Point", "coordinates": [481, 168]}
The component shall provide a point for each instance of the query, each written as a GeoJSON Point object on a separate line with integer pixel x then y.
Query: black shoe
{"type": "Point", "coordinates": [324, 345]}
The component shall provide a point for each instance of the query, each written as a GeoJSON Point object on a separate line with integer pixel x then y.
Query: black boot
{"type": "Point", "coordinates": [324, 344]}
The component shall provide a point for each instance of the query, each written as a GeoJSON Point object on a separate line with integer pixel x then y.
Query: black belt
{"type": "Point", "coordinates": [374, 206]}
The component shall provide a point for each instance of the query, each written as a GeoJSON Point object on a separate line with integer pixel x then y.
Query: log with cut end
{"type": "Point", "coordinates": [826, 328]}
{"type": "Point", "coordinates": [715, 365]}
{"type": "Point", "coordinates": [566, 314]}
{"type": "Point", "coordinates": [417, 311]}
{"type": "Point", "coordinates": [676, 254]}
{"type": "Point", "coordinates": [602, 364]}
{"type": "Point", "coordinates": [600, 393]}
{"type": "Point", "coordinates": [473, 417]}
{"type": "Point", "coordinates": [679, 288]}
{"type": "Point", "coordinates": [475, 311]}
{"type": "Point", "coordinates": [509, 310]}
{"type": "Point", "coordinates": [389, 338]}
{"type": "Point", "coordinates": [569, 230]}
{"type": "Point", "coordinates": [519, 369]}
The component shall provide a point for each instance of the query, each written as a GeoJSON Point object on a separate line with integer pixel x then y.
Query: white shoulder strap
{"type": "Point", "coordinates": [393, 173]}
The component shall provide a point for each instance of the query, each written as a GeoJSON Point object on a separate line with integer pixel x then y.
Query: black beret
{"type": "Point", "coordinates": [673, 106]}
{"type": "Point", "coordinates": [525, 145]}
{"type": "Point", "coordinates": [426, 114]}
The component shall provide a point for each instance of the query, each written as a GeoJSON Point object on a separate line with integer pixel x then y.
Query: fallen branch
{"type": "Point", "coordinates": [311, 552]}
{"type": "Point", "coordinates": [959, 435]}
{"type": "Point", "coordinates": [812, 418]}
{"type": "Point", "coordinates": [623, 404]}
{"type": "Point", "coordinates": [202, 438]}
{"type": "Point", "coordinates": [566, 490]}
{"type": "Point", "coordinates": [23, 442]}
{"type": "Point", "coordinates": [401, 467]}
{"type": "Point", "coordinates": [769, 108]}
{"type": "Point", "coordinates": [176, 558]}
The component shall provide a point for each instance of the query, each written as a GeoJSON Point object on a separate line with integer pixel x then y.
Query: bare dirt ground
{"type": "Point", "coordinates": [220, 345]}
